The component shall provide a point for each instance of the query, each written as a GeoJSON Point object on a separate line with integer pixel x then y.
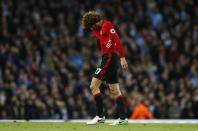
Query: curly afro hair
{"type": "Point", "coordinates": [90, 18]}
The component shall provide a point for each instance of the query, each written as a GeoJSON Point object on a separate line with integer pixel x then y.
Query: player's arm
{"type": "Point", "coordinates": [120, 49]}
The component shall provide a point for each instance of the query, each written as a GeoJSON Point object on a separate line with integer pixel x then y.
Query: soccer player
{"type": "Point", "coordinates": [112, 54]}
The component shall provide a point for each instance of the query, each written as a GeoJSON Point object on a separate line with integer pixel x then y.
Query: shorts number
{"type": "Point", "coordinates": [98, 71]}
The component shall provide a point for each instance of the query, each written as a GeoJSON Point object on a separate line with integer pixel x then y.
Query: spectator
{"type": "Point", "coordinates": [140, 110]}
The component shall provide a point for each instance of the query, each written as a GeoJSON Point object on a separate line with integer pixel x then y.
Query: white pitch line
{"type": "Point", "coordinates": [155, 121]}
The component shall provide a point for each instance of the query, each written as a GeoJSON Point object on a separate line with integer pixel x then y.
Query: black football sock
{"type": "Point", "coordinates": [120, 107]}
{"type": "Point", "coordinates": [99, 104]}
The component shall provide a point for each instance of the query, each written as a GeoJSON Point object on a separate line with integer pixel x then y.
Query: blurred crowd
{"type": "Point", "coordinates": [47, 59]}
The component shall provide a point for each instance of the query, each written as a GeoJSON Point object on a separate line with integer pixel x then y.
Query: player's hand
{"type": "Point", "coordinates": [124, 63]}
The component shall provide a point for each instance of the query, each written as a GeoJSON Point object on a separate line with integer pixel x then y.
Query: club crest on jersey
{"type": "Point", "coordinates": [112, 31]}
{"type": "Point", "coordinates": [109, 43]}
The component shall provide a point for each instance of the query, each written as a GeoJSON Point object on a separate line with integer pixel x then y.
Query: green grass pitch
{"type": "Point", "coordinates": [29, 126]}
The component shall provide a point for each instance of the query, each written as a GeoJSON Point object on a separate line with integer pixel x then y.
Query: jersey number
{"type": "Point", "coordinates": [98, 71]}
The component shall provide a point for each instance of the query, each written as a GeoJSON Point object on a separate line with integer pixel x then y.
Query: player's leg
{"type": "Point", "coordinates": [95, 85]}
{"type": "Point", "coordinates": [112, 80]}
{"type": "Point", "coordinates": [115, 90]}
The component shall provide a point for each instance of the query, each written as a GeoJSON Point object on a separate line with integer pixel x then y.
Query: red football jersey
{"type": "Point", "coordinates": [109, 41]}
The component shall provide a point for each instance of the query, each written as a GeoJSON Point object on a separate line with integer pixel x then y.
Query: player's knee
{"type": "Point", "coordinates": [115, 92]}
{"type": "Point", "coordinates": [112, 91]}
{"type": "Point", "coordinates": [94, 89]}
